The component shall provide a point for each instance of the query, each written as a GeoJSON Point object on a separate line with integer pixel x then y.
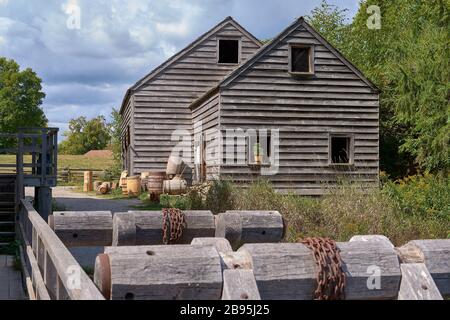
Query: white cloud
{"type": "Point", "coordinates": [87, 71]}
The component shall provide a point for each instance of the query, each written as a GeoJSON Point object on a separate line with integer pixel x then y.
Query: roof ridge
{"type": "Point", "coordinates": [184, 51]}
{"type": "Point", "coordinates": [299, 21]}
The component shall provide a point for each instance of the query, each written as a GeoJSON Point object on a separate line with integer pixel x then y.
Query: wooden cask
{"type": "Point", "coordinates": [134, 186]}
{"type": "Point", "coordinates": [180, 272]}
{"type": "Point", "coordinates": [155, 184]}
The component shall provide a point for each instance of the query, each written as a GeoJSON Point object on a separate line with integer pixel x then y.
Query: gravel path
{"type": "Point", "coordinates": [75, 201]}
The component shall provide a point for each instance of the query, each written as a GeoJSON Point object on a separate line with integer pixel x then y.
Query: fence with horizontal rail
{"type": "Point", "coordinates": [67, 175]}
{"type": "Point", "coordinates": [212, 267]}
{"type": "Point", "coordinates": [50, 271]}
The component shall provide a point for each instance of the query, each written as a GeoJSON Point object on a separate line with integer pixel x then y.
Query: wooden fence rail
{"type": "Point", "coordinates": [67, 175]}
{"type": "Point", "coordinates": [50, 270]}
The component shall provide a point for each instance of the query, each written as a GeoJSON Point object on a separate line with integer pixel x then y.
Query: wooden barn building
{"type": "Point", "coordinates": [294, 111]}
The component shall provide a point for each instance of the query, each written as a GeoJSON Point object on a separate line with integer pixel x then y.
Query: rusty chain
{"type": "Point", "coordinates": [331, 278]}
{"type": "Point", "coordinates": [174, 223]}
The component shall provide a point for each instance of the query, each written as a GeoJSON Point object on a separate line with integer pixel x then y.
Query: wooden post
{"type": "Point", "coordinates": [250, 227]}
{"type": "Point", "coordinates": [417, 283]}
{"type": "Point", "coordinates": [44, 201]}
{"type": "Point", "coordinates": [88, 182]}
{"type": "Point", "coordinates": [83, 229]}
{"type": "Point", "coordinates": [179, 272]}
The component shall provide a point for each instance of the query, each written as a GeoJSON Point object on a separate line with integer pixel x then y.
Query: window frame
{"type": "Point", "coordinates": [266, 161]}
{"type": "Point", "coordinates": [239, 40]}
{"type": "Point", "coordinates": [311, 59]}
{"type": "Point", "coordinates": [351, 156]}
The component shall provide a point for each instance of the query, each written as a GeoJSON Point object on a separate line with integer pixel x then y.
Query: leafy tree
{"type": "Point", "coordinates": [408, 59]}
{"type": "Point", "coordinates": [20, 98]}
{"type": "Point", "coordinates": [85, 135]}
{"type": "Point", "coordinates": [331, 22]}
{"type": "Point", "coordinates": [116, 142]}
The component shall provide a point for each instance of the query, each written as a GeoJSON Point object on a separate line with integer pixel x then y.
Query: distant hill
{"type": "Point", "coordinates": [99, 154]}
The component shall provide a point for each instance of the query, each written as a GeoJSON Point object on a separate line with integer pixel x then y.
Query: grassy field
{"type": "Point", "coordinates": [68, 161]}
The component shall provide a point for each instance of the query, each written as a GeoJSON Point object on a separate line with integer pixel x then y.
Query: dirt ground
{"type": "Point", "coordinates": [76, 201]}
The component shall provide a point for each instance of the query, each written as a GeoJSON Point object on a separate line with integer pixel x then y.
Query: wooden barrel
{"type": "Point", "coordinates": [97, 184]}
{"type": "Point", "coordinates": [173, 166]}
{"type": "Point", "coordinates": [155, 184]}
{"type": "Point", "coordinates": [88, 182]}
{"type": "Point", "coordinates": [134, 186]}
{"type": "Point", "coordinates": [176, 186]}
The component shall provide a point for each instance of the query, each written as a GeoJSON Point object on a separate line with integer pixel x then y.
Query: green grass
{"type": "Point", "coordinates": [69, 161]}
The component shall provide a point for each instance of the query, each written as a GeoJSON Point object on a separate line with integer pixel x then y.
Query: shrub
{"type": "Point", "coordinates": [219, 197]}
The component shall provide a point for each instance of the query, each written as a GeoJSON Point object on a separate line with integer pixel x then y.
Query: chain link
{"type": "Point", "coordinates": [331, 279]}
{"type": "Point", "coordinates": [174, 223]}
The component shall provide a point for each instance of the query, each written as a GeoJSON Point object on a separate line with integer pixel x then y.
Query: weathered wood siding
{"type": "Point", "coordinates": [161, 106]}
{"type": "Point", "coordinates": [127, 122]}
{"type": "Point", "coordinates": [205, 121]}
{"type": "Point", "coordinates": [306, 111]}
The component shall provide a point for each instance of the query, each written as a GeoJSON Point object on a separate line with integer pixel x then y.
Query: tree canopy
{"type": "Point", "coordinates": [408, 58]}
{"type": "Point", "coordinates": [21, 97]}
{"type": "Point", "coordinates": [86, 135]}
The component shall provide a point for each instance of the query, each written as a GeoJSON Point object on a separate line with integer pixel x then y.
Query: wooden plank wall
{"type": "Point", "coordinates": [205, 120]}
{"type": "Point", "coordinates": [306, 111]}
{"type": "Point", "coordinates": [162, 105]}
{"type": "Point", "coordinates": [127, 120]}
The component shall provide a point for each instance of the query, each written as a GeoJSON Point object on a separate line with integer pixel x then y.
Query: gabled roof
{"type": "Point", "coordinates": [300, 22]}
{"type": "Point", "coordinates": [182, 53]}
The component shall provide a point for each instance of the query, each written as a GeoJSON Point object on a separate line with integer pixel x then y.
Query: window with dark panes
{"type": "Point", "coordinates": [301, 59]}
{"type": "Point", "coordinates": [228, 51]}
{"type": "Point", "coordinates": [340, 150]}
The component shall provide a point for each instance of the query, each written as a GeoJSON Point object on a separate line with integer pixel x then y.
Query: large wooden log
{"type": "Point", "coordinates": [435, 254]}
{"type": "Point", "coordinates": [148, 227]}
{"type": "Point", "coordinates": [288, 270]}
{"type": "Point", "coordinates": [241, 227]}
{"type": "Point", "coordinates": [82, 229]}
{"type": "Point", "coordinates": [417, 283]}
{"type": "Point", "coordinates": [178, 272]}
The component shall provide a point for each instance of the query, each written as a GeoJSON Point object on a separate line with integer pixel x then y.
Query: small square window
{"type": "Point", "coordinates": [340, 150]}
{"type": "Point", "coordinates": [228, 51]}
{"type": "Point", "coordinates": [301, 59]}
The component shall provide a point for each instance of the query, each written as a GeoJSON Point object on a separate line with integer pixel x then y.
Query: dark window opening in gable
{"type": "Point", "coordinates": [301, 59]}
{"type": "Point", "coordinates": [229, 51]}
{"type": "Point", "coordinates": [340, 150]}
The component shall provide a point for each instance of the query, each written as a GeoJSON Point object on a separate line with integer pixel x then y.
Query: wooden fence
{"type": "Point", "coordinates": [50, 271]}
{"type": "Point", "coordinates": [67, 175]}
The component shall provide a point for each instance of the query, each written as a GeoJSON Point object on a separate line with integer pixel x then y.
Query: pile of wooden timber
{"type": "Point", "coordinates": [78, 229]}
{"type": "Point", "coordinates": [209, 269]}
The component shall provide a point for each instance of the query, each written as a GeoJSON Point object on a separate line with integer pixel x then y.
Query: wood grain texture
{"type": "Point", "coordinates": [149, 224]}
{"type": "Point", "coordinates": [160, 105]}
{"type": "Point", "coordinates": [239, 285]}
{"type": "Point", "coordinates": [178, 272]}
{"type": "Point", "coordinates": [78, 229]}
{"type": "Point", "coordinates": [417, 283]}
{"type": "Point", "coordinates": [288, 271]}
{"type": "Point", "coordinates": [250, 227]}
{"type": "Point", "coordinates": [435, 254]}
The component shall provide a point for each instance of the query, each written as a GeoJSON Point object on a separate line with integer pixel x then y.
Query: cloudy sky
{"type": "Point", "coordinates": [86, 65]}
